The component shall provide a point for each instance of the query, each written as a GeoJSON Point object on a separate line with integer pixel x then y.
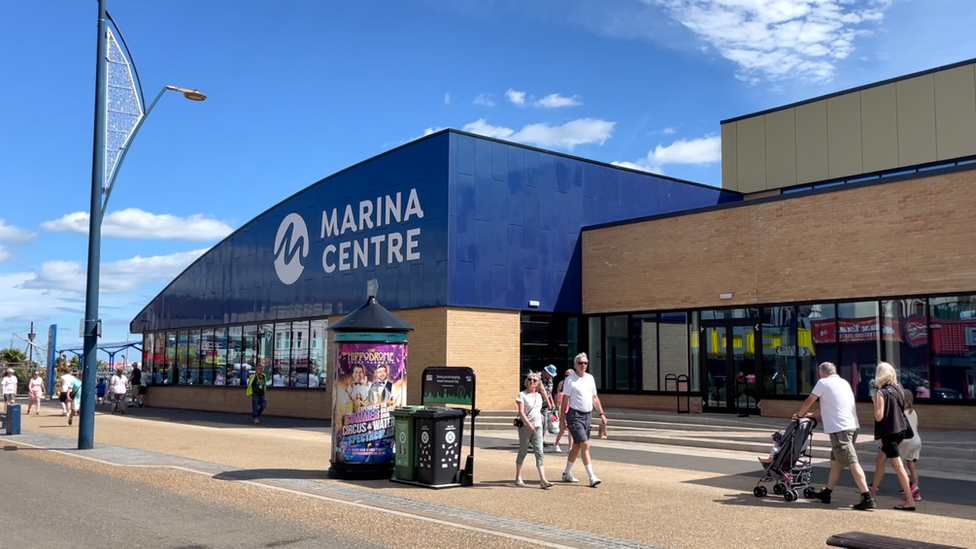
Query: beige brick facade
{"type": "Point", "coordinates": [907, 237]}
{"type": "Point", "coordinates": [485, 340]}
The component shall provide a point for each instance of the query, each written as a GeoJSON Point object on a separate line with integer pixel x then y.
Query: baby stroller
{"type": "Point", "coordinates": [791, 468]}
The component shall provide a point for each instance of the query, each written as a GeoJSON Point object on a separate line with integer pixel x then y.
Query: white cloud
{"type": "Point", "coordinates": [117, 276]}
{"type": "Point", "coordinates": [705, 150]}
{"type": "Point", "coordinates": [778, 39]}
{"type": "Point", "coordinates": [135, 223]}
{"type": "Point", "coordinates": [447, 98]}
{"type": "Point", "coordinates": [669, 130]}
{"type": "Point", "coordinates": [575, 132]}
{"type": "Point", "coordinates": [486, 100]}
{"type": "Point", "coordinates": [555, 101]}
{"type": "Point", "coordinates": [516, 97]}
{"type": "Point", "coordinates": [12, 235]}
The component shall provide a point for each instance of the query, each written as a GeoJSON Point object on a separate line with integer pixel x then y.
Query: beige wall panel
{"type": "Point", "coordinates": [489, 341]}
{"type": "Point", "coordinates": [910, 237]}
{"type": "Point", "coordinates": [751, 154]}
{"type": "Point", "coordinates": [916, 120]}
{"type": "Point", "coordinates": [955, 112]}
{"type": "Point", "coordinates": [879, 129]}
{"type": "Point", "coordinates": [730, 175]}
{"type": "Point", "coordinates": [844, 135]}
{"type": "Point", "coordinates": [780, 149]}
{"type": "Point", "coordinates": [811, 142]}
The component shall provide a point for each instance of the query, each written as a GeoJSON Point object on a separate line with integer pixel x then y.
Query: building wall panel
{"type": "Point", "coordinates": [781, 149]}
{"type": "Point", "coordinates": [879, 128]}
{"type": "Point", "coordinates": [916, 120]}
{"type": "Point", "coordinates": [955, 112]}
{"type": "Point", "coordinates": [811, 142]}
{"type": "Point", "coordinates": [730, 161]}
{"type": "Point", "coordinates": [751, 154]}
{"type": "Point", "coordinates": [844, 135]}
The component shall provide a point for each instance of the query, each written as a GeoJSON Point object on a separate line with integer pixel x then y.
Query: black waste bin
{"type": "Point", "coordinates": [439, 433]}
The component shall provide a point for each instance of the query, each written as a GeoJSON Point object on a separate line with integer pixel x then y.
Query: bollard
{"type": "Point", "coordinates": [13, 419]}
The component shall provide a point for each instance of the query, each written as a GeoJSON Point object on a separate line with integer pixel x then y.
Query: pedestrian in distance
{"type": "Point", "coordinates": [530, 429]}
{"type": "Point", "coordinates": [911, 448]}
{"type": "Point", "coordinates": [66, 380]}
{"type": "Point", "coordinates": [890, 426]}
{"type": "Point", "coordinates": [35, 390]}
{"type": "Point", "coordinates": [561, 418]}
{"type": "Point", "coordinates": [257, 385]}
{"type": "Point", "coordinates": [118, 388]}
{"type": "Point", "coordinates": [838, 413]}
{"type": "Point", "coordinates": [546, 380]}
{"type": "Point", "coordinates": [579, 400]}
{"type": "Point", "coordinates": [138, 389]}
{"type": "Point", "coordinates": [74, 397]}
{"type": "Point", "coordinates": [8, 386]}
{"type": "Point", "coordinates": [101, 389]}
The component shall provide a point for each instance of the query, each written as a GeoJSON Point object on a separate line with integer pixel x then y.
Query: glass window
{"type": "Point", "coordinates": [618, 350]}
{"type": "Point", "coordinates": [182, 340]}
{"type": "Point", "coordinates": [857, 333]}
{"type": "Point", "coordinates": [318, 337]}
{"type": "Point", "coordinates": [953, 342]}
{"type": "Point", "coordinates": [644, 350]}
{"type": "Point", "coordinates": [904, 339]}
{"type": "Point", "coordinates": [299, 353]}
{"type": "Point", "coordinates": [282, 352]}
{"type": "Point", "coordinates": [694, 338]}
{"type": "Point", "coordinates": [169, 372]}
{"type": "Point", "coordinates": [147, 355]}
{"type": "Point", "coordinates": [596, 351]}
{"type": "Point", "coordinates": [193, 357]}
{"type": "Point", "coordinates": [673, 345]}
{"type": "Point", "coordinates": [220, 363]}
{"type": "Point", "coordinates": [780, 351]}
{"type": "Point", "coordinates": [206, 352]}
{"type": "Point", "coordinates": [265, 354]}
{"type": "Point", "coordinates": [817, 342]}
{"type": "Point", "coordinates": [237, 371]}
{"type": "Point", "coordinates": [159, 358]}
{"type": "Point", "coordinates": [249, 350]}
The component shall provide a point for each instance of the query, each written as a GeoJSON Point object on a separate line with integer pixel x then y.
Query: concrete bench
{"type": "Point", "coordinates": [863, 540]}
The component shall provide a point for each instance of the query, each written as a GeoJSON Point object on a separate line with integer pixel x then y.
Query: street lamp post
{"type": "Point", "coordinates": [91, 326]}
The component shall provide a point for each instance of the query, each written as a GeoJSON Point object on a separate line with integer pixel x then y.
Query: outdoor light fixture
{"type": "Point", "coordinates": [725, 296]}
{"type": "Point", "coordinates": [192, 95]}
{"type": "Point", "coordinates": [533, 303]}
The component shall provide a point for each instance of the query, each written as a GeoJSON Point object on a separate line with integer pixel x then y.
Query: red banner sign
{"type": "Point", "coordinates": [854, 331]}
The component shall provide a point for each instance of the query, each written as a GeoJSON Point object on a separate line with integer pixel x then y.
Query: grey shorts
{"type": "Point", "coordinates": [842, 447]}
{"type": "Point", "coordinates": [578, 425]}
{"type": "Point", "coordinates": [9, 399]}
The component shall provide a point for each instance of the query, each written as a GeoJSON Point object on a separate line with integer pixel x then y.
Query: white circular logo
{"type": "Point", "coordinates": [424, 437]}
{"type": "Point", "coordinates": [291, 248]}
{"type": "Point", "coordinates": [403, 437]}
{"type": "Point", "coordinates": [449, 437]}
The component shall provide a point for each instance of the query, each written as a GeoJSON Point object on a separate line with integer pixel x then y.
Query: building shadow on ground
{"type": "Point", "coordinates": [12, 448]}
{"type": "Point", "coordinates": [227, 420]}
{"type": "Point", "coordinates": [272, 474]}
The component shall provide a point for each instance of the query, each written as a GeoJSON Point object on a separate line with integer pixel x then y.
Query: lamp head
{"type": "Point", "coordinates": [192, 95]}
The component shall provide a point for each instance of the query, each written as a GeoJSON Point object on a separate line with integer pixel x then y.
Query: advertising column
{"type": "Point", "coordinates": [369, 381]}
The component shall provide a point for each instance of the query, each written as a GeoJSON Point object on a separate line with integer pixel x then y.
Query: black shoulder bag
{"type": "Point", "coordinates": [909, 432]}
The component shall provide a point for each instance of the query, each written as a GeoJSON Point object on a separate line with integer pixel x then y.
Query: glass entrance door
{"type": "Point", "coordinates": [729, 360]}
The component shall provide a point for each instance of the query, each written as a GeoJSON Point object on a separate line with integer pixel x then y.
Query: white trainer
{"type": "Point", "coordinates": [556, 449]}
{"type": "Point", "coordinates": [594, 482]}
{"type": "Point", "coordinates": [568, 477]}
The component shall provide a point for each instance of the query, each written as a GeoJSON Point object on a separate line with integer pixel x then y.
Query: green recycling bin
{"type": "Point", "coordinates": [404, 427]}
{"type": "Point", "coordinates": [438, 436]}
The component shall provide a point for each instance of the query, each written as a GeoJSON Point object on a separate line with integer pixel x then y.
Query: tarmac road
{"type": "Point", "coordinates": [45, 504]}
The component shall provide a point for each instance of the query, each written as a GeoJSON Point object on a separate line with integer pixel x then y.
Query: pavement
{"type": "Point", "coordinates": [652, 495]}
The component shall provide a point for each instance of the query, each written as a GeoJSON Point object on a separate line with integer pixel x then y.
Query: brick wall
{"type": "Point", "coordinates": [489, 341]}
{"type": "Point", "coordinates": [305, 403]}
{"type": "Point", "coordinates": [651, 402]}
{"type": "Point", "coordinates": [907, 237]}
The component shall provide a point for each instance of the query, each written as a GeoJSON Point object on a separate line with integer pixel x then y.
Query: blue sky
{"type": "Point", "coordinates": [301, 89]}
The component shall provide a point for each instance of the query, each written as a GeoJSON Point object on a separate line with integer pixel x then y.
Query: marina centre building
{"type": "Point", "coordinates": [842, 232]}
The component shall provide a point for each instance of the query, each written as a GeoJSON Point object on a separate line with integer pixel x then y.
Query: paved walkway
{"type": "Point", "coordinates": [636, 506]}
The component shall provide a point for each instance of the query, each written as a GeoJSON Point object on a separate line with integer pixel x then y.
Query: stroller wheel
{"type": "Point", "coordinates": [809, 492]}
{"type": "Point", "coordinates": [791, 495]}
{"type": "Point", "coordinates": [759, 491]}
{"type": "Point", "coordinates": [779, 489]}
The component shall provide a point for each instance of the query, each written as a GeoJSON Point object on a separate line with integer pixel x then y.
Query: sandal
{"type": "Point", "coordinates": [519, 482]}
{"type": "Point", "coordinates": [904, 508]}
{"type": "Point", "coordinates": [545, 484]}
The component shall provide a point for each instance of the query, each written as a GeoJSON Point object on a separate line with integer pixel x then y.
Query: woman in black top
{"type": "Point", "coordinates": [889, 430]}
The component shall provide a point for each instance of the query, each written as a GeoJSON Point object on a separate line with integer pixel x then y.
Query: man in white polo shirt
{"type": "Point", "coordinates": [579, 399]}
{"type": "Point", "coordinates": [838, 412]}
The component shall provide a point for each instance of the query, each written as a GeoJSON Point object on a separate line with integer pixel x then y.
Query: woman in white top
{"type": "Point", "coordinates": [8, 386]}
{"type": "Point", "coordinates": [530, 433]}
{"type": "Point", "coordinates": [911, 448]}
{"type": "Point", "coordinates": [35, 389]}
{"type": "Point", "coordinates": [118, 387]}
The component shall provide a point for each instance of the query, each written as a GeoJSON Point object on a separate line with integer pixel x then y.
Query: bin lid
{"type": "Point", "coordinates": [406, 411]}
{"type": "Point", "coordinates": [440, 412]}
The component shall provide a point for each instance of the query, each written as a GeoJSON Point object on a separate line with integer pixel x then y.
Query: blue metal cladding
{"type": "Point", "coordinates": [312, 254]}
{"type": "Point", "coordinates": [516, 215]}
{"type": "Point", "coordinates": [463, 221]}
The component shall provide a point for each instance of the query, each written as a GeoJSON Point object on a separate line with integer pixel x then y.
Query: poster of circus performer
{"type": "Point", "coordinates": [370, 381]}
